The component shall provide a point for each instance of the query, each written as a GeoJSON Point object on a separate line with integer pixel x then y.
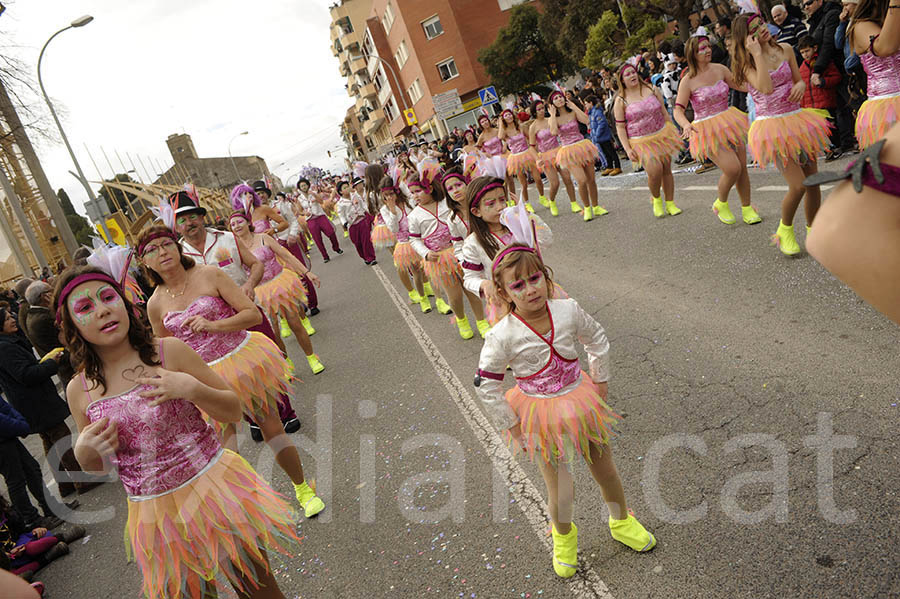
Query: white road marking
{"type": "Point", "coordinates": [699, 188]}
{"type": "Point", "coordinates": [586, 583]}
{"type": "Point", "coordinates": [785, 188]}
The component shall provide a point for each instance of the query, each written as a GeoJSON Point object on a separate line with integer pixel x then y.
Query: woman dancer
{"type": "Point", "coordinates": [556, 410]}
{"type": "Point", "coordinates": [317, 219]}
{"type": "Point", "coordinates": [352, 209]}
{"type": "Point", "coordinates": [195, 510]}
{"type": "Point", "coordinates": [718, 133]}
{"type": "Point", "coordinates": [490, 144]}
{"type": "Point", "coordinates": [783, 133]}
{"type": "Point", "coordinates": [577, 154]}
{"type": "Point", "coordinates": [395, 208]}
{"type": "Point", "coordinates": [203, 307]}
{"type": "Point", "coordinates": [470, 153]}
{"type": "Point", "coordinates": [429, 232]}
{"type": "Point", "coordinates": [261, 214]}
{"type": "Point", "coordinates": [521, 158]}
{"type": "Point", "coordinates": [648, 136]}
{"type": "Point", "coordinates": [875, 35]}
{"type": "Point", "coordinates": [547, 146]}
{"type": "Point", "coordinates": [280, 291]}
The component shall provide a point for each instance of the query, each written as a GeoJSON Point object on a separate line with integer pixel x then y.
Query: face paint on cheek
{"type": "Point", "coordinates": [81, 307]}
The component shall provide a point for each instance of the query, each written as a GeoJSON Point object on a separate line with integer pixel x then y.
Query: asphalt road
{"type": "Point", "coordinates": [730, 363]}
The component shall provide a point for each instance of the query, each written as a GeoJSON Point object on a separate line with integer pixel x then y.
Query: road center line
{"type": "Point", "coordinates": [586, 583]}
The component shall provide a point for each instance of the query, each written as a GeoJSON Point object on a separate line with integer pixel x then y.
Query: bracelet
{"type": "Point", "coordinates": [682, 106]}
{"type": "Point", "coordinates": [622, 121]}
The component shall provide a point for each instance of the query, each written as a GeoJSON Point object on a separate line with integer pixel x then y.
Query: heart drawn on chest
{"type": "Point", "coordinates": [133, 374]}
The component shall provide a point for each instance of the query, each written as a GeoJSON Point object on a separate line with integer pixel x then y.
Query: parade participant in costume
{"type": "Point", "coordinates": [557, 411]}
{"type": "Point", "coordinates": [577, 154]}
{"type": "Point", "coordinates": [317, 219]}
{"type": "Point", "coordinates": [486, 201]}
{"type": "Point", "coordinates": [547, 145]}
{"type": "Point", "coordinates": [490, 144]}
{"type": "Point", "coordinates": [195, 510]}
{"type": "Point", "coordinates": [875, 36]}
{"type": "Point", "coordinates": [783, 132]}
{"type": "Point", "coordinates": [521, 158]}
{"type": "Point", "coordinates": [204, 308]}
{"type": "Point", "coordinates": [261, 214]}
{"type": "Point", "coordinates": [395, 208]}
{"type": "Point", "coordinates": [220, 248]}
{"type": "Point", "coordinates": [470, 153]}
{"type": "Point", "coordinates": [647, 135]}
{"type": "Point", "coordinates": [718, 132]}
{"type": "Point", "coordinates": [352, 209]}
{"type": "Point", "coordinates": [429, 232]}
{"type": "Point", "coordinates": [382, 236]}
{"type": "Point", "coordinates": [454, 186]}
{"type": "Point", "coordinates": [280, 292]}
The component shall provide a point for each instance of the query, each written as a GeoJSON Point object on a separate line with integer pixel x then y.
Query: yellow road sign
{"type": "Point", "coordinates": [410, 115]}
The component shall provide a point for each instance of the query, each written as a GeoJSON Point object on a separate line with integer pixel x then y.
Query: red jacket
{"type": "Point", "coordinates": [820, 97]}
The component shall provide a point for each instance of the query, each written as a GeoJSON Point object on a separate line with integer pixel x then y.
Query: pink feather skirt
{"type": "Point", "coordinates": [778, 139]}
{"type": "Point", "coordinates": [726, 129]}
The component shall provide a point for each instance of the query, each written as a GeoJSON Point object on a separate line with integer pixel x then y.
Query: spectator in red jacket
{"type": "Point", "coordinates": [824, 95]}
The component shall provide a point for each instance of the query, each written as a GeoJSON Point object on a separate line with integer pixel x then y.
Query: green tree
{"type": "Point", "coordinates": [81, 228]}
{"type": "Point", "coordinates": [522, 58]}
{"type": "Point", "coordinates": [615, 36]}
{"type": "Point", "coordinates": [565, 23]}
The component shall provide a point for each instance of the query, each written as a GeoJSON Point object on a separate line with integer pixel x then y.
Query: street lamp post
{"type": "Point", "coordinates": [232, 157]}
{"type": "Point", "coordinates": [80, 22]}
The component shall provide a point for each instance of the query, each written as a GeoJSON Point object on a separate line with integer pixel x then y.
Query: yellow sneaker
{"type": "Point", "coordinates": [428, 290]}
{"type": "Point", "coordinates": [442, 306]}
{"type": "Point", "coordinates": [553, 208]}
{"type": "Point", "coordinates": [308, 499]}
{"type": "Point", "coordinates": [528, 207]}
{"type": "Point", "coordinates": [315, 365]}
{"type": "Point", "coordinates": [722, 210]}
{"type": "Point", "coordinates": [599, 210]}
{"type": "Point", "coordinates": [425, 304]}
{"type": "Point", "coordinates": [575, 207]}
{"type": "Point", "coordinates": [346, 233]}
{"type": "Point", "coordinates": [285, 329]}
{"type": "Point", "coordinates": [588, 214]}
{"type": "Point", "coordinates": [543, 201]}
{"type": "Point", "coordinates": [659, 209]}
{"type": "Point", "coordinates": [308, 326]}
{"type": "Point", "coordinates": [565, 552]}
{"type": "Point", "coordinates": [465, 330]}
{"type": "Point", "coordinates": [785, 240]}
{"type": "Point", "coordinates": [672, 209]}
{"type": "Point", "coordinates": [750, 216]}
{"type": "Point", "coordinates": [483, 327]}
{"type": "Point", "coordinates": [290, 363]}
{"type": "Point", "coordinates": [414, 297]}
{"type": "Point", "coordinates": [630, 532]}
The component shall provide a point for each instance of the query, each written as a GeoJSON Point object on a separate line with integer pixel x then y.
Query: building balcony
{"type": "Point", "coordinates": [376, 118]}
{"type": "Point", "coordinates": [357, 66]}
{"type": "Point", "coordinates": [367, 91]}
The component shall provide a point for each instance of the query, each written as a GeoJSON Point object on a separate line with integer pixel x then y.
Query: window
{"type": "Point", "coordinates": [432, 27]}
{"type": "Point", "coordinates": [389, 111]}
{"type": "Point", "coordinates": [388, 19]}
{"type": "Point", "coordinates": [447, 69]}
{"type": "Point", "coordinates": [507, 4]}
{"type": "Point", "coordinates": [415, 91]}
{"type": "Point", "coordinates": [401, 55]}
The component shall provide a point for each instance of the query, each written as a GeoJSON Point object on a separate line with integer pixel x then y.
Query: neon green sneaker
{"type": "Point", "coordinates": [285, 329]}
{"type": "Point", "coordinates": [308, 499]}
{"type": "Point", "coordinates": [315, 365]}
{"type": "Point", "coordinates": [565, 552]}
{"type": "Point", "coordinates": [575, 207]}
{"type": "Point", "coordinates": [308, 326]}
{"type": "Point", "coordinates": [425, 304]}
{"type": "Point", "coordinates": [599, 210]}
{"type": "Point", "coordinates": [290, 363]}
{"type": "Point", "coordinates": [672, 209]}
{"type": "Point", "coordinates": [554, 210]}
{"type": "Point", "coordinates": [588, 214]}
{"type": "Point", "coordinates": [785, 240]}
{"type": "Point", "coordinates": [428, 290]}
{"type": "Point", "coordinates": [346, 233]}
{"type": "Point", "coordinates": [632, 533]}
{"type": "Point", "coordinates": [722, 210]}
{"type": "Point", "coordinates": [528, 207]}
{"type": "Point", "coordinates": [414, 297]}
{"type": "Point", "coordinates": [750, 216]}
{"type": "Point", "coordinates": [483, 327]}
{"type": "Point", "coordinates": [543, 201]}
{"type": "Point", "coordinates": [465, 329]}
{"type": "Point", "coordinates": [659, 209]}
{"type": "Point", "coordinates": [442, 306]}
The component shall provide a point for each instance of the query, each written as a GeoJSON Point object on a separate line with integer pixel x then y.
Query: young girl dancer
{"type": "Point", "coordinates": [454, 186]}
{"type": "Point", "coordinates": [470, 153]}
{"type": "Point", "coordinates": [556, 410]}
{"type": "Point", "coordinates": [195, 510]}
{"type": "Point", "coordinates": [280, 291]}
{"type": "Point", "coordinates": [718, 132]}
{"type": "Point", "coordinates": [547, 146]}
{"type": "Point", "coordinates": [783, 132]}
{"type": "Point", "coordinates": [203, 307]}
{"type": "Point", "coordinates": [352, 209]}
{"type": "Point", "coordinates": [521, 158]}
{"type": "Point", "coordinates": [490, 143]}
{"type": "Point", "coordinates": [395, 209]}
{"type": "Point", "coordinates": [647, 135]}
{"type": "Point", "coordinates": [577, 154]}
{"type": "Point", "coordinates": [295, 240]}
{"type": "Point", "coordinates": [429, 232]}
{"type": "Point", "coordinates": [875, 35]}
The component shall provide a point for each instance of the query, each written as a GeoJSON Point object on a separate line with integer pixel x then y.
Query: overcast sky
{"type": "Point", "coordinates": [210, 68]}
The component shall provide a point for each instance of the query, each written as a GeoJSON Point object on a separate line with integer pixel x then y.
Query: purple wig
{"type": "Point", "coordinates": [238, 192]}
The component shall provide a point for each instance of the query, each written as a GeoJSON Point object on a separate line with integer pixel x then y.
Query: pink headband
{"type": "Point", "coordinates": [391, 188]}
{"type": "Point", "coordinates": [157, 235]}
{"type": "Point", "coordinates": [509, 250]}
{"type": "Point", "coordinates": [88, 276]}
{"type": "Point", "coordinates": [555, 93]}
{"type": "Point", "coordinates": [240, 213]}
{"type": "Point", "coordinates": [422, 184]}
{"type": "Point", "coordinates": [477, 199]}
{"type": "Point", "coordinates": [459, 176]}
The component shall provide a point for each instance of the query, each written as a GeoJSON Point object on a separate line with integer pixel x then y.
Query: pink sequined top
{"type": "Point", "coordinates": [883, 74]}
{"type": "Point", "coordinates": [439, 239]}
{"type": "Point", "coordinates": [271, 267]}
{"type": "Point", "coordinates": [494, 146]}
{"type": "Point", "coordinates": [710, 100]}
{"type": "Point", "coordinates": [517, 143]}
{"type": "Point", "coordinates": [402, 227]}
{"type": "Point", "coordinates": [429, 231]}
{"type": "Point", "coordinates": [161, 447]}
{"type": "Point", "coordinates": [212, 347]}
{"type": "Point", "coordinates": [261, 226]}
{"type": "Point", "coordinates": [644, 118]}
{"type": "Point", "coordinates": [569, 133]}
{"type": "Point", "coordinates": [546, 141]}
{"type": "Point", "coordinates": [776, 103]}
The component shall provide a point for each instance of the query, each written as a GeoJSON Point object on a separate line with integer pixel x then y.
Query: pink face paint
{"type": "Point", "coordinates": [83, 307]}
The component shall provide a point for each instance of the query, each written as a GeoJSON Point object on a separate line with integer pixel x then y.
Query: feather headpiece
{"type": "Point", "coordinates": [165, 212]}
{"type": "Point", "coordinates": [244, 198]}
{"type": "Point", "coordinates": [748, 6]}
{"type": "Point", "coordinates": [491, 166]}
{"type": "Point", "coordinates": [116, 261]}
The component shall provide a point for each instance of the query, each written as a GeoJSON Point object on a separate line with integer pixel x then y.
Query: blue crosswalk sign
{"type": "Point", "coordinates": [488, 95]}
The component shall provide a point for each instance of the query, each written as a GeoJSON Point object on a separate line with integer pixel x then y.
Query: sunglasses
{"type": "Point", "coordinates": [808, 3]}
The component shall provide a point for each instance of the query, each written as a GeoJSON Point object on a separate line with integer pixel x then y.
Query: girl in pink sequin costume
{"type": "Point", "coordinates": [522, 159]}
{"type": "Point", "coordinates": [556, 410]}
{"type": "Point", "coordinates": [196, 511]}
{"type": "Point", "coordinates": [280, 292]}
{"type": "Point", "coordinates": [547, 146]}
{"type": "Point", "coordinates": [875, 35]}
{"type": "Point", "coordinates": [783, 133]}
{"type": "Point", "coordinates": [204, 307]}
{"type": "Point", "coordinates": [490, 144]}
{"type": "Point", "coordinates": [576, 154]}
{"type": "Point", "coordinates": [470, 153]}
{"type": "Point", "coordinates": [394, 211]}
{"type": "Point", "coordinates": [648, 136]}
{"type": "Point", "coordinates": [718, 132]}
{"type": "Point", "coordinates": [430, 236]}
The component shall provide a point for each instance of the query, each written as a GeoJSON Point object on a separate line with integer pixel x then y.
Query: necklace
{"type": "Point", "coordinates": [179, 294]}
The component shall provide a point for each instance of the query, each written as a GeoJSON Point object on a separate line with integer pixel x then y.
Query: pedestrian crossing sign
{"type": "Point", "coordinates": [488, 95]}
